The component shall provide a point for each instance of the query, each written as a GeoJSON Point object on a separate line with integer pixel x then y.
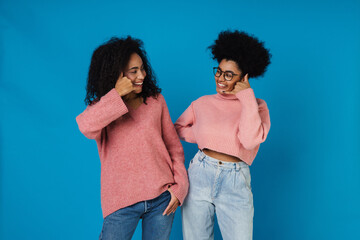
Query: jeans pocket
{"type": "Point", "coordinates": [245, 173]}
{"type": "Point", "coordinates": [193, 163]}
{"type": "Point", "coordinates": [194, 169]}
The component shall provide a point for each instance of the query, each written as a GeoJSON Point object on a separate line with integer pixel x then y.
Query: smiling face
{"type": "Point", "coordinates": [227, 66]}
{"type": "Point", "coordinates": [135, 72]}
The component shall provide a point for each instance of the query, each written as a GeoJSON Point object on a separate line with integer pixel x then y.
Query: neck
{"type": "Point", "coordinates": [226, 96]}
{"type": "Point", "coordinates": [130, 97]}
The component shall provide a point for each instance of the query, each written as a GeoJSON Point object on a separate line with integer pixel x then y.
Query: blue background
{"type": "Point", "coordinates": [306, 177]}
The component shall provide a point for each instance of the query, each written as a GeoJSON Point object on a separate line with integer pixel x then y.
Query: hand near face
{"type": "Point", "coordinates": [241, 85]}
{"type": "Point", "coordinates": [124, 85]}
{"type": "Point", "coordinates": [173, 204]}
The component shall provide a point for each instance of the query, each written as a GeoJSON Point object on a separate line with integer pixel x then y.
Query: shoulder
{"type": "Point", "coordinates": [157, 100]}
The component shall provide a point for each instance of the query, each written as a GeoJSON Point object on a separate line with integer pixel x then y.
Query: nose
{"type": "Point", "coordinates": [142, 75]}
{"type": "Point", "coordinates": [221, 78]}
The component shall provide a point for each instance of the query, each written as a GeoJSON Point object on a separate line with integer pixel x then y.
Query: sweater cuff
{"type": "Point", "coordinates": [179, 192]}
{"type": "Point", "coordinates": [247, 96]}
{"type": "Point", "coordinates": [116, 100]}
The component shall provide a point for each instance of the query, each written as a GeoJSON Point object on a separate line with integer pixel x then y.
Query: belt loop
{"type": "Point", "coordinates": [237, 167]}
{"type": "Point", "coordinates": [201, 155]}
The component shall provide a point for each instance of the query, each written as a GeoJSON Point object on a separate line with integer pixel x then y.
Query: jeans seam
{"type": "Point", "coordinates": [244, 177]}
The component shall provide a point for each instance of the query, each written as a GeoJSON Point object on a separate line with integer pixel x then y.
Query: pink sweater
{"type": "Point", "coordinates": [231, 124]}
{"type": "Point", "coordinates": [140, 152]}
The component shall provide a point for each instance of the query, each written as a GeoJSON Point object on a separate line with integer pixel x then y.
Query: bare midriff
{"type": "Point", "coordinates": [220, 156]}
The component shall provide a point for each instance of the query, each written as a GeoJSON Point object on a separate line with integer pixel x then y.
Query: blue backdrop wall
{"type": "Point", "coordinates": [306, 177]}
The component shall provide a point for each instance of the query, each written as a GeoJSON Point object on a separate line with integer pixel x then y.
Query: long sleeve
{"type": "Point", "coordinates": [174, 147]}
{"type": "Point", "coordinates": [99, 115]}
{"type": "Point", "coordinates": [184, 125]}
{"type": "Point", "coordinates": [254, 122]}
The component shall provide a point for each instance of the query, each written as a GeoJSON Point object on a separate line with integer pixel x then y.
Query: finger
{"type": "Point", "coordinates": [246, 78]}
{"type": "Point", "coordinates": [175, 206]}
{"type": "Point", "coordinates": [121, 76]}
{"type": "Point", "coordinates": [172, 210]}
{"type": "Point", "coordinates": [169, 211]}
{"type": "Point", "coordinates": [166, 210]}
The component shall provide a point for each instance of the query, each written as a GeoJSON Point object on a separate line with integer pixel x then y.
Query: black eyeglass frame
{"type": "Point", "coordinates": [217, 69]}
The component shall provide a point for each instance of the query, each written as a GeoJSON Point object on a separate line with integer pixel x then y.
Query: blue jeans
{"type": "Point", "coordinates": [221, 187]}
{"type": "Point", "coordinates": [121, 224]}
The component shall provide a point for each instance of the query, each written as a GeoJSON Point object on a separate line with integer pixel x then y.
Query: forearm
{"type": "Point", "coordinates": [97, 116]}
{"type": "Point", "coordinates": [254, 121]}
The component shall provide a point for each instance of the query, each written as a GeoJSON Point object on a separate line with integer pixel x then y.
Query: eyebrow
{"type": "Point", "coordinates": [226, 71]}
{"type": "Point", "coordinates": [133, 68]}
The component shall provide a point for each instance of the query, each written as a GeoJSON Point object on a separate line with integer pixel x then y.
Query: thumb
{"type": "Point", "coordinates": [246, 78]}
{"type": "Point", "coordinates": [120, 76]}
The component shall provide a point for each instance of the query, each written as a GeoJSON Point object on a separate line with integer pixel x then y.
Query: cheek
{"type": "Point", "coordinates": [232, 85]}
{"type": "Point", "coordinates": [131, 76]}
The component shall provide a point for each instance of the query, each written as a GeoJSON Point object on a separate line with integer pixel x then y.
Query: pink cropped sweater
{"type": "Point", "coordinates": [230, 124]}
{"type": "Point", "coordinates": [140, 152]}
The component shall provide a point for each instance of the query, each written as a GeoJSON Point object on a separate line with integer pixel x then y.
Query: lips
{"type": "Point", "coordinates": [138, 84]}
{"type": "Point", "coordinates": [220, 85]}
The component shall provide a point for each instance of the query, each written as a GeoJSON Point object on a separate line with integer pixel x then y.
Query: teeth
{"type": "Point", "coordinates": [221, 85]}
{"type": "Point", "coordinates": [139, 84]}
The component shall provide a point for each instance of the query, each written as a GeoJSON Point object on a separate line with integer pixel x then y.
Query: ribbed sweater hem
{"type": "Point", "coordinates": [132, 201]}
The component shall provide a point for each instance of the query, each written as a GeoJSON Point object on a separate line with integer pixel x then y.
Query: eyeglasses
{"type": "Point", "coordinates": [228, 75]}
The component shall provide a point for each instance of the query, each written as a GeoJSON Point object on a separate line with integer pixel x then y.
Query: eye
{"type": "Point", "coordinates": [133, 72]}
{"type": "Point", "coordinates": [228, 74]}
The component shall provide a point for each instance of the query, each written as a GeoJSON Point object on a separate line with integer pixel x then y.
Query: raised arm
{"type": "Point", "coordinates": [254, 122]}
{"type": "Point", "coordinates": [97, 116]}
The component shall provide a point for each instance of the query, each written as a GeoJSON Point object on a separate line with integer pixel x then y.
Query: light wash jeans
{"type": "Point", "coordinates": [121, 224]}
{"type": "Point", "coordinates": [222, 188]}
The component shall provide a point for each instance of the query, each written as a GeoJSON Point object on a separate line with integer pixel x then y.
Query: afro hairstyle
{"type": "Point", "coordinates": [246, 50]}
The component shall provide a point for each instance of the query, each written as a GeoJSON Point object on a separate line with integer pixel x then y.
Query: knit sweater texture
{"type": "Point", "coordinates": [234, 124]}
{"type": "Point", "coordinates": [141, 155]}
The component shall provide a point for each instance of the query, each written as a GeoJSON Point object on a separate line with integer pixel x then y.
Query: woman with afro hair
{"type": "Point", "coordinates": [228, 128]}
{"type": "Point", "coordinates": [142, 161]}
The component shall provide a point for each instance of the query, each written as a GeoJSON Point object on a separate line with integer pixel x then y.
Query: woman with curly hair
{"type": "Point", "coordinates": [142, 161]}
{"type": "Point", "coordinates": [228, 128]}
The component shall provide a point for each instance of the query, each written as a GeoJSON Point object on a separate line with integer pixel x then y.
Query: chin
{"type": "Point", "coordinates": [138, 91]}
{"type": "Point", "coordinates": [221, 90]}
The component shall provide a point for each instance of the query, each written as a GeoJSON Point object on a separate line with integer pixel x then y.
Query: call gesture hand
{"type": "Point", "coordinates": [124, 85]}
{"type": "Point", "coordinates": [241, 85]}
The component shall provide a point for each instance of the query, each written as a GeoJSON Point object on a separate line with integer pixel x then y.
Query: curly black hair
{"type": "Point", "coordinates": [107, 63]}
{"type": "Point", "coordinates": [246, 50]}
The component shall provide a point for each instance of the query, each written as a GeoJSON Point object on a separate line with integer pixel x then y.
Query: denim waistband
{"type": "Point", "coordinates": [201, 156]}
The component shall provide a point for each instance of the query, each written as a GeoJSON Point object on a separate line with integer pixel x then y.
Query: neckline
{"type": "Point", "coordinates": [226, 96]}
{"type": "Point", "coordinates": [134, 109]}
